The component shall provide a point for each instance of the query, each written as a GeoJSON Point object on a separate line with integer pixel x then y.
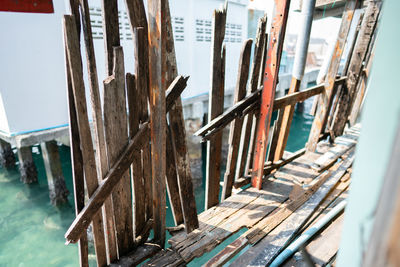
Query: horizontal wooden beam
{"type": "Point", "coordinates": [82, 221]}
{"type": "Point", "coordinates": [244, 106]}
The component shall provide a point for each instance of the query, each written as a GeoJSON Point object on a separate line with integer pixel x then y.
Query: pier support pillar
{"type": "Point", "coordinates": [7, 158]}
{"type": "Point", "coordinates": [27, 167]}
{"type": "Point", "coordinates": [57, 189]}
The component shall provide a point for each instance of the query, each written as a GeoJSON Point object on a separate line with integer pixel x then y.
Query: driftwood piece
{"type": "Point", "coordinates": [177, 126]}
{"type": "Point", "coordinates": [325, 99]}
{"type": "Point", "coordinates": [236, 125]}
{"type": "Point", "coordinates": [89, 164]}
{"type": "Point", "coordinates": [216, 107]}
{"type": "Point", "coordinates": [157, 88]}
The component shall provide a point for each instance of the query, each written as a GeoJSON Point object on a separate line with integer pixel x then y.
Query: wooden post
{"type": "Point", "coordinates": [277, 36]}
{"type": "Point", "coordinates": [157, 117]}
{"type": "Point", "coordinates": [236, 125]}
{"type": "Point", "coordinates": [77, 166]}
{"type": "Point", "coordinates": [98, 126]}
{"type": "Point", "coordinates": [111, 31]}
{"type": "Point", "coordinates": [116, 133]}
{"type": "Point", "coordinates": [215, 108]}
{"type": "Point", "coordinates": [89, 164]}
{"type": "Point", "coordinates": [27, 167]}
{"type": "Point", "coordinates": [325, 99]}
{"type": "Point", "coordinates": [55, 178]}
{"type": "Point", "coordinates": [7, 158]}
{"type": "Point", "coordinates": [177, 127]}
{"type": "Point", "coordinates": [356, 65]}
{"type": "Point", "coordinates": [249, 120]}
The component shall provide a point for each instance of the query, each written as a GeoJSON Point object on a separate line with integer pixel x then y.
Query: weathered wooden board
{"type": "Point", "coordinates": [259, 47]}
{"type": "Point", "coordinates": [98, 126]}
{"type": "Point", "coordinates": [111, 31]}
{"type": "Point", "coordinates": [139, 255]}
{"type": "Point", "coordinates": [89, 165]}
{"type": "Point", "coordinates": [157, 117]}
{"type": "Point", "coordinates": [216, 108]}
{"type": "Point", "coordinates": [236, 125]}
{"type": "Point", "coordinates": [325, 99]}
{"type": "Point", "coordinates": [277, 36]}
{"type": "Point", "coordinates": [177, 128]}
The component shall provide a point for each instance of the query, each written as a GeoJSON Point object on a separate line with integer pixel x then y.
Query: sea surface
{"type": "Point", "coordinates": [32, 230]}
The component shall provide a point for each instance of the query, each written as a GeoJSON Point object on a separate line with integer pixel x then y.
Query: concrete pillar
{"type": "Point", "coordinates": [27, 167]}
{"type": "Point", "coordinates": [57, 189]}
{"type": "Point", "coordinates": [7, 158]}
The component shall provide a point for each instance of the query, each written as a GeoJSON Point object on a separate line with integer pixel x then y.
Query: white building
{"type": "Point", "coordinates": [32, 68]}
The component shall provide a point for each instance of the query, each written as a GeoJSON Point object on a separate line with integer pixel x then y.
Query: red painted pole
{"type": "Point", "coordinates": [271, 72]}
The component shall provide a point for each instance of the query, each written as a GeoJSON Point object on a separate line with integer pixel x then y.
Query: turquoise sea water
{"type": "Point", "coordinates": [32, 231]}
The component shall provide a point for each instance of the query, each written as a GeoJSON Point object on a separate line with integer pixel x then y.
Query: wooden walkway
{"type": "Point", "coordinates": [274, 215]}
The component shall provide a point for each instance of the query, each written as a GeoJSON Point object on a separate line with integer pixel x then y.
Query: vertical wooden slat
{"type": "Point", "coordinates": [77, 166]}
{"type": "Point", "coordinates": [89, 164]}
{"type": "Point", "coordinates": [216, 107]}
{"type": "Point", "coordinates": [273, 143]}
{"type": "Point", "coordinates": [177, 127]}
{"type": "Point", "coordinates": [98, 126]}
{"type": "Point", "coordinates": [157, 118]}
{"type": "Point", "coordinates": [116, 133]}
{"type": "Point", "coordinates": [325, 99]}
{"type": "Point", "coordinates": [277, 35]}
{"type": "Point", "coordinates": [356, 66]}
{"type": "Point", "coordinates": [236, 125]}
{"type": "Point", "coordinates": [136, 167]}
{"type": "Point", "coordinates": [110, 31]}
{"type": "Point", "coordinates": [254, 81]}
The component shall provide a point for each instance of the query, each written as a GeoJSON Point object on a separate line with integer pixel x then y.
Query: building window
{"type": "Point", "coordinates": [96, 19]}
{"type": "Point", "coordinates": [203, 30]}
{"type": "Point", "coordinates": [178, 25]}
{"type": "Point", "coordinates": [233, 33]}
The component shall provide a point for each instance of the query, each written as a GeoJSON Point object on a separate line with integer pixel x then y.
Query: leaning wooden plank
{"type": "Point", "coordinates": [268, 248]}
{"type": "Point", "coordinates": [89, 164]}
{"type": "Point", "coordinates": [236, 125]}
{"type": "Point", "coordinates": [139, 205]}
{"type": "Point", "coordinates": [111, 31]}
{"type": "Point", "coordinates": [356, 64]}
{"type": "Point", "coordinates": [175, 89]}
{"type": "Point", "coordinates": [157, 117]}
{"type": "Point", "coordinates": [114, 175]}
{"type": "Point", "coordinates": [177, 127]}
{"type": "Point", "coordinates": [140, 254]}
{"type": "Point", "coordinates": [77, 166]}
{"type": "Point", "coordinates": [277, 36]}
{"type": "Point", "coordinates": [116, 133]}
{"type": "Point", "coordinates": [325, 98]}
{"type": "Point", "coordinates": [259, 45]}
{"type": "Point", "coordinates": [273, 143]}
{"type": "Point", "coordinates": [216, 108]}
{"type": "Point", "coordinates": [98, 126]}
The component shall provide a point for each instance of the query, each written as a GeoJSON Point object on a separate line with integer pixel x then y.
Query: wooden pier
{"type": "Point", "coordinates": [138, 151]}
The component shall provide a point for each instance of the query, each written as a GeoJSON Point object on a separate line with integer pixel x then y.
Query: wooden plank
{"type": "Point", "coordinates": [268, 248]}
{"type": "Point", "coordinates": [98, 126]}
{"type": "Point", "coordinates": [116, 136]}
{"type": "Point", "coordinates": [236, 125]}
{"type": "Point", "coordinates": [175, 89]}
{"type": "Point", "coordinates": [136, 168]}
{"type": "Point", "coordinates": [287, 118]}
{"type": "Point", "coordinates": [157, 117]}
{"type": "Point", "coordinates": [216, 107]}
{"type": "Point", "coordinates": [177, 127]}
{"type": "Point", "coordinates": [139, 255]}
{"type": "Point", "coordinates": [89, 165]}
{"type": "Point", "coordinates": [110, 31]}
{"type": "Point", "coordinates": [325, 100]}
{"type": "Point", "coordinates": [82, 221]}
{"type": "Point", "coordinates": [249, 120]}
{"type": "Point", "coordinates": [356, 65]}
{"type": "Point", "coordinates": [77, 166]}
{"type": "Point", "coordinates": [166, 257]}
{"type": "Point", "coordinates": [273, 142]}
{"type": "Point", "coordinates": [277, 36]}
